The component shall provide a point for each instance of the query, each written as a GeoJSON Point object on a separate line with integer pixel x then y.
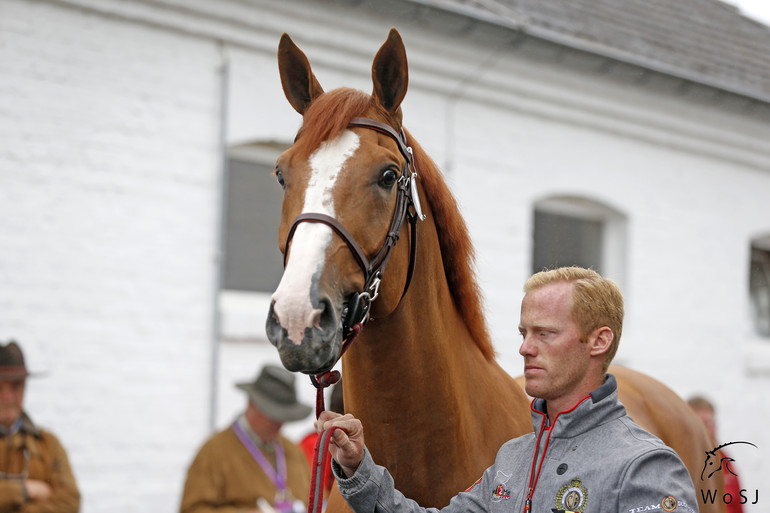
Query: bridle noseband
{"type": "Point", "coordinates": [357, 311]}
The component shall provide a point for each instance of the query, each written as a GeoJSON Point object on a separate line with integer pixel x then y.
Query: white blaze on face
{"type": "Point", "coordinates": [292, 303]}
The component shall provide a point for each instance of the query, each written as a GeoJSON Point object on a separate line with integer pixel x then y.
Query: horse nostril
{"type": "Point", "coordinates": [273, 325]}
{"type": "Point", "coordinates": [272, 315]}
{"type": "Point", "coordinates": [324, 318]}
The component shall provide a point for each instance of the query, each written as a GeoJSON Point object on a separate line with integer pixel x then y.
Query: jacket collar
{"type": "Point", "coordinates": [28, 426]}
{"type": "Point", "coordinates": [268, 447]}
{"type": "Point", "coordinates": [23, 425]}
{"type": "Point", "coordinates": [600, 406]}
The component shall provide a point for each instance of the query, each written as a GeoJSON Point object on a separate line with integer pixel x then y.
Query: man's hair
{"type": "Point", "coordinates": [596, 301]}
{"type": "Point", "coordinates": [700, 403]}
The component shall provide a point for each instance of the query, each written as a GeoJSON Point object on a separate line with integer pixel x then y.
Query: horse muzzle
{"type": "Point", "coordinates": [309, 342]}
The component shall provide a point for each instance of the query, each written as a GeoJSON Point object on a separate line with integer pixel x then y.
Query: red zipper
{"type": "Point", "coordinates": [533, 478]}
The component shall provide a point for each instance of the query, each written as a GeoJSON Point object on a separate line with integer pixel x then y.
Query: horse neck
{"type": "Point", "coordinates": [424, 390]}
{"type": "Point", "coordinates": [418, 354]}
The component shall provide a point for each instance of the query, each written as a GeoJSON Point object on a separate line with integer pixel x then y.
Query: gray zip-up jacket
{"type": "Point", "coordinates": [592, 459]}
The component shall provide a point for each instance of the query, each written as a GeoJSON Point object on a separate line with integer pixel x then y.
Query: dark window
{"type": "Point", "coordinates": [563, 240]}
{"type": "Point", "coordinates": [252, 260]}
{"type": "Point", "coordinates": [759, 287]}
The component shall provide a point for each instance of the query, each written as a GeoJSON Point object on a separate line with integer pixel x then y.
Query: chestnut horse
{"type": "Point", "coordinates": [422, 375]}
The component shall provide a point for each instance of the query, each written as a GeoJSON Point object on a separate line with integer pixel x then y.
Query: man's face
{"type": "Point", "coordinates": [11, 397]}
{"type": "Point", "coordinates": [266, 428]}
{"type": "Point", "coordinates": [555, 360]}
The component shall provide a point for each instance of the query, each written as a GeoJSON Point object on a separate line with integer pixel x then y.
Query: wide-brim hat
{"type": "Point", "coordinates": [273, 393]}
{"type": "Point", "coordinates": [12, 364]}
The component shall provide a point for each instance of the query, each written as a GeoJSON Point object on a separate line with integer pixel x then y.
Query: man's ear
{"type": "Point", "coordinates": [600, 340]}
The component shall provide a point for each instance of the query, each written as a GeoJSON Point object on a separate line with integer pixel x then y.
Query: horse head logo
{"type": "Point", "coordinates": [714, 463]}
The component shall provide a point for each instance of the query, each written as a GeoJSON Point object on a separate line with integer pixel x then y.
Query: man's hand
{"type": "Point", "coordinates": [37, 489]}
{"type": "Point", "coordinates": [347, 443]}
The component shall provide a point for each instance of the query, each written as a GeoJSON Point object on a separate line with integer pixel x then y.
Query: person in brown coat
{"type": "Point", "coordinates": [35, 474]}
{"type": "Point", "coordinates": [250, 466]}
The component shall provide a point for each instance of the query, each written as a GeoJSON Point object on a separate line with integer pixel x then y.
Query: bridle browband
{"type": "Point", "coordinates": [357, 311]}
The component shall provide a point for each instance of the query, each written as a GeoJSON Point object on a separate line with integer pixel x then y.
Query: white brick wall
{"type": "Point", "coordinates": [109, 162]}
{"type": "Point", "coordinates": [108, 181]}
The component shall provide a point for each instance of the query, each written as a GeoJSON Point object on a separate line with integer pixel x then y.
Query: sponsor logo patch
{"type": "Point", "coordinates": [501, 491]}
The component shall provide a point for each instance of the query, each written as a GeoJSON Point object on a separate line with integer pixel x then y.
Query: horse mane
{"type": "Point", "coordinates": [330, 114]}
{"type": "Point", "coordinates": [457, 249]}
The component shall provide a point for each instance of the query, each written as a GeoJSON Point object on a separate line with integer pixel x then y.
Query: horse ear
{"type": "Point", "coordinates": [390, 73]}
{"type": "Point", "coordinates": [299, 83]}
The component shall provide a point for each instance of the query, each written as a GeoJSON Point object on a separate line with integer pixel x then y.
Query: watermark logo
{"type": "Point", "coordinates": [720, 462]}
{"type": "Point", "coordinates": [714, 463]}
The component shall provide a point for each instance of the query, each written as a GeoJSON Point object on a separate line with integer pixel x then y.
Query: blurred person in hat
{"type": "Point", "coordinates": [35, 474]}
{"type": "Point", "coordinates": [250, 466]}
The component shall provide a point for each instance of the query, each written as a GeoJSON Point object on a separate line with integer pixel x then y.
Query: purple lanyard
{"type": "Point", "coordinates": [278, 478]}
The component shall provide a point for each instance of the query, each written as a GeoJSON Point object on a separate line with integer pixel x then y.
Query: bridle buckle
{"type": "Point", "coordinates": [375, 287]}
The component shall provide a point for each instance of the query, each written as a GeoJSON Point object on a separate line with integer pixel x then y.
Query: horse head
{"type": "Point", "coordinates": [343, 182]}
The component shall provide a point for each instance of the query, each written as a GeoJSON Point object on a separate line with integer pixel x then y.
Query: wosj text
{"type": "Point", "coordinates": [711, 496]}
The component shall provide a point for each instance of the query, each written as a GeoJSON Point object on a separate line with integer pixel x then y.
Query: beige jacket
{"type": "Point", "coordinates": [225, 478]}
{"type": "Point", "coordinates": [35, 454]}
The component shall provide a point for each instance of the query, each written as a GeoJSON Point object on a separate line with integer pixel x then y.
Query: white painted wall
{"type": "Point", "coordinates": [109, 185]}
{"type": "Point", "coordinates": [108, 180]}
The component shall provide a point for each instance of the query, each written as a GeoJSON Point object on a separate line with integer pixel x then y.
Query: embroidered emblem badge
{"type": "Point", "coordinates": [500, 492]}
{"type": "Point", "coordinates": [668, 503]}
{"type": "Point", "coordinates": [572, 497]}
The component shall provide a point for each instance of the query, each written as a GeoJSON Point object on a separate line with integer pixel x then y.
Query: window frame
{"type": "Point", "coordinates": [243, 313]}
{"type": "Point", "coordinates": [760, 314]}
{"type": "Point", "coordinates": [614, 229]}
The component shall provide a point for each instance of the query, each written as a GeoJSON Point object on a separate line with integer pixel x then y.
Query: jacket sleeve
{"type": "Point", "coordinates": [371, 490]}
{"type": "Point", "coordinates": [657, 478]}
{"type": "Point", "coordinates": [65, 496]}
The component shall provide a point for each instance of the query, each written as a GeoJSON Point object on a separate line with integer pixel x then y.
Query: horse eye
{"type": "Point", "coordinates": [387, 178]}
{"type": "Point", "coordinates": [279, 177]}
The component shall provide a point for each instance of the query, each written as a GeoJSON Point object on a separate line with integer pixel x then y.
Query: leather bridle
{"type": "Point", "coordinates": [357, 311]}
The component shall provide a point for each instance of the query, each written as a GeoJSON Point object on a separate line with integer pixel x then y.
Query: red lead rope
{"type": "Point", "coordinates": [318, 480]}
{"type": "Point", "coordinates": [321, 451]}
